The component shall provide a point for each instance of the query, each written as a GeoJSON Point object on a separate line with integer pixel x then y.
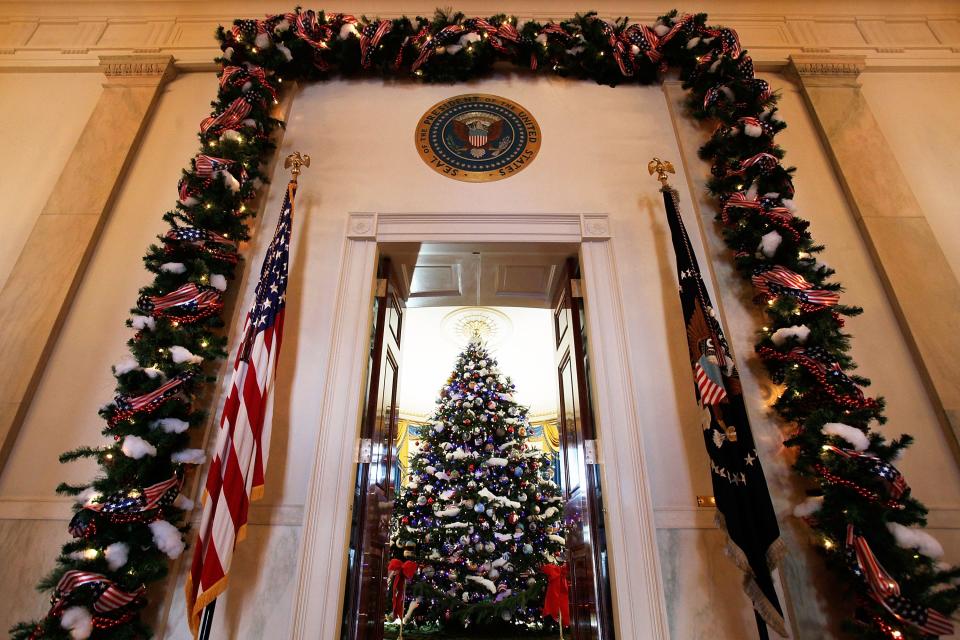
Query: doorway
{"type": "Point", "coordinates": [425, 544]}
{"type": "Point", "coordinates": [638, 608]}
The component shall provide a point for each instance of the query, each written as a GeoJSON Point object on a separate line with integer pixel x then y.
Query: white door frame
{"type": "Point", "coordinates": [637, 590]}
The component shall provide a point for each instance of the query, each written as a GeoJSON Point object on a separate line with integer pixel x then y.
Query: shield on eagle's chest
{"type": "Point", "coordinates": [478, 135]}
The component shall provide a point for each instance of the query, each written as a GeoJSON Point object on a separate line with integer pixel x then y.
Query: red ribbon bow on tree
{"type": "Point", "coordinates": [400, 572]}
{"type": "Point", "coordinates": [557, 601]}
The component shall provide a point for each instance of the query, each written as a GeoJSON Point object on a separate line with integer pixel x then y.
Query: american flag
{"type": "Point", "coordinates": [239, 462]}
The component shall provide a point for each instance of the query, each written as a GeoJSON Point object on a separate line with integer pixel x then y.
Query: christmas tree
{"type": "Point", "coordinates": [478, 513]}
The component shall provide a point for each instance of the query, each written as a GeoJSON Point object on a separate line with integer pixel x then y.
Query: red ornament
{"type": "Point", "coordinates": [466, 421]}
{"type": "Point", "coordinates": [405, 520]}
{"type": "Point", "coordinates": [470, 468]}
{"type": "Point", "coordinates": [429, 500]}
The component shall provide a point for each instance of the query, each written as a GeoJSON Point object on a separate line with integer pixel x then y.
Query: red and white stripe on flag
{"type": "Point", "coordinates": [239, 459]}
{"type": "Point", "coordinates": [710, 392]}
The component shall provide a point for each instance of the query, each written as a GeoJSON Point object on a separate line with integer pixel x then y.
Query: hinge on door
{"type": "Point", "coordinates": [365, 453]}
{"type": "Point", "coordinates": [381, 288]}
{"type": "Point", "coordinates": [576, 288]}
{"type": "Point", "coordinates": [590, 452]}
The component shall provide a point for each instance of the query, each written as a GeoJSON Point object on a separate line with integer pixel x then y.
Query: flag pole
{"type": "Point", "coordinates": [662, 168]}
{"type": "Point", "coordinates": [206, 620]}
{"type": "Point", "coordinates": [294, 162]}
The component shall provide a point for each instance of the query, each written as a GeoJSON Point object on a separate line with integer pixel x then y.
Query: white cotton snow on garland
{"type": "Point", "coordinates": [142, 322]}
{"type": "Point", "coordinates": [182, 355]}
{"type": "Point", "coordinates": [857, 439]}
{"type": "Point", "coordinates": [808, 507]}
{"type": "Point", "coordinates": [136, 447]}
{"type": "Point", "coordinates": [456, 525]}
{"type": "Point", "coordinates": [173, 267]}
{"type": "Point", "coordinates": [909, 538]}
{"type": "Point", "coordinates": [78, 621]}
{"type": "Point", "coordinates": [116, 555]}
{"type": "Point", "coordinates": [87, 496]}
{"type": "Point", "coordinates": [188, 456]}
{"type": "Point", "coordinates": [799, 331]}
{"type": "Point", "coordinates": [557, 538]}
{"type": "Point", "coordinates": [769, 243]}
{"type": "Point", "coordinates": [449, 512]}
{"type": "Point", "coordinates": [170, 425]}
{"type": "Point", "coordinates": [183, 502]}
{"type": "Point", "coordinates": [125, 365]}
{"type": "Point", "coordinates": [218, 281]}
{"type": "Point", "coordinates": [167, 538]}
{"type": "Point", "coordinates": [492, 588]}
{"type": "Point", "coordinates": [495, 462]}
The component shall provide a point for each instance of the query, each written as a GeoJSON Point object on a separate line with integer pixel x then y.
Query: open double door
{"type": "Point", "coordinates": [366, 597]}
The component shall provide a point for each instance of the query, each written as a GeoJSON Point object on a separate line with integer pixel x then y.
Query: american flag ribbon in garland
{"type": "Point", "coordinates": [209, 165]}
{"type": "Point", "coordinates": [229, 119]}
{"type": "Point", "coordinates": [885, 590]}
{"type": "Point", "coordinates": [236, 474]}
{"type": "Point", "coordinates": [779, 280]}
{"type": "Point", "coordinates": [129, 406]}
{"type": "Point", "coordinates": [134, 505]}
{"type": "Point", "coordinates": [370, 38]}
{"type": "Point", "coordinates": [744, 509]}
{"type": "Point", "coordinates": [110, 598]}
{"type": "Point", "coordinates": [189, 303]}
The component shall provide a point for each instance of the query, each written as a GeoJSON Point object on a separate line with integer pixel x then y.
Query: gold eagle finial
{"type": "Point", "coordinates": [662, 168]}
{"type": "Point", "coordinates": [294, 161]}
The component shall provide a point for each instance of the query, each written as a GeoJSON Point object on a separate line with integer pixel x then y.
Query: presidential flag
{"type": "Point", "coordinates": [240, 457]}
{"type": "Point", "coordinates": [744, 510]}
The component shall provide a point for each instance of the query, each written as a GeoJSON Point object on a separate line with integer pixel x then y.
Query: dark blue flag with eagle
{"type": "Point", "coordinates": [744, 510]}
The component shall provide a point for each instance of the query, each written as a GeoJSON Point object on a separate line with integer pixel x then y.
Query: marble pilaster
{"type": "Point", "coordinates": [40, 288]}
{"type": "Point", "coordinates": [921, 286]}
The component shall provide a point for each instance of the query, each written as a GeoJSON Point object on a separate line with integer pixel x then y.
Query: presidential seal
{"type": "Point", "coordinates": [477, 137]}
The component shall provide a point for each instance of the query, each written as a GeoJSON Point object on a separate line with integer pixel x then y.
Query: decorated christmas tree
{"type": "Point", "coordinates": [477, 523]}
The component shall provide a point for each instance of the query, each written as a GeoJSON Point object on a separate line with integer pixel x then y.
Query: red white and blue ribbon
{"type": "Point", "coordinates": [778, 280]}
{"type": "Point", "coordinates": [189, 303]}
{"type": "Point", "coordinates": [233, 115]}
{"type": "Point", "coordinates": [127, 407]}
{"type": "Point", "coordinates": [884, 589]}
{"type": "Point", "coordinates": [370, 38]}
{"type": "Point", "coordinates": [892, 480]}
{"type": "Point", "coordinates": [133, 505]}
{"type": "Point", "coordinates": [828, 373]}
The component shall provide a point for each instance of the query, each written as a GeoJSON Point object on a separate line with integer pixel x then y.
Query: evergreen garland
{"type": "Point", "coordinates": [857, 494]}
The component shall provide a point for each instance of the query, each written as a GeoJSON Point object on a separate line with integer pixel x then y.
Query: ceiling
{"type": "Point", "coordinates": [523, 347]}
{"type": "Point", "coordinates": [490, 275]}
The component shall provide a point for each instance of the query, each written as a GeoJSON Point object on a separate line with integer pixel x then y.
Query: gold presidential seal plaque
{"type": "Point", "coordinates": [477, 137]}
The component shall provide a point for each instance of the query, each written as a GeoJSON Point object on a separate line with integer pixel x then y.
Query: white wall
{"type": "Point", "coordinates": [38, 135]}
{"type": "Point", "coordinates": [596, 142]}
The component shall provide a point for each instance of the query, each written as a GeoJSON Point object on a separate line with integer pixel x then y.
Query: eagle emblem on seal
{"type": "Point", "coordinates": [479, 133]}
